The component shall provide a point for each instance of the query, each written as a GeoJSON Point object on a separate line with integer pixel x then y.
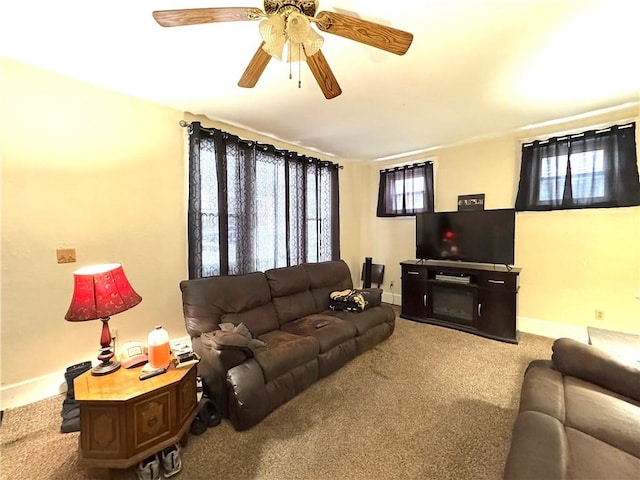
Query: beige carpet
{"type": "Point", "coordinates": [428, 403]}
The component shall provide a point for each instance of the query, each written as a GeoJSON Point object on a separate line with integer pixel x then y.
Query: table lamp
{"type": "Point", "coordinates": [101, 291]}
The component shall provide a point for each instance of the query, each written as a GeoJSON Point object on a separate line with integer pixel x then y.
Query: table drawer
{"type": "Point", "coordinates": [414, 273]}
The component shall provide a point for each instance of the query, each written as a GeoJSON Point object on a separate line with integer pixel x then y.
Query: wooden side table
{"type": "Point", "coordinates": [124, 420]}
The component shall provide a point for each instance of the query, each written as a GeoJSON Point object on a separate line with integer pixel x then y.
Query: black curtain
{"type": "Point", "coordinates": [589, 170]}
{"type": "Point", "coordinates": [405, 190]}
{"type": "Point", "coordinates": [253, 207]}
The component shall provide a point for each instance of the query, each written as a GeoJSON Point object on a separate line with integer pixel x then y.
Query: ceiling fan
{"type": "Point", "coordinates": [288, 22]}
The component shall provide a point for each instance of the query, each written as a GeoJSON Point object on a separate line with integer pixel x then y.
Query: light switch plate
{"type": "Point", "coordinates": [66, 255]}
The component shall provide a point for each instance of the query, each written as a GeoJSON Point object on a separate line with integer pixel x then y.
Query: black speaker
{"type": "Point", "coordinates": [366, 281]}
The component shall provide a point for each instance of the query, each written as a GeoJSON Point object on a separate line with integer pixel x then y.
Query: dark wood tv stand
{"type": "Point", "coordinates": [477, 298]}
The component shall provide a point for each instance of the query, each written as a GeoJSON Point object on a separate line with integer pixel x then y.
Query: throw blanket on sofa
{"type": "Point", "coordinates": [350, 300]}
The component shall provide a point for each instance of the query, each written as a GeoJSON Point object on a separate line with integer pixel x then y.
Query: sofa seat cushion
{"type": "Point", "coordinates": [590, 458]}
{"type": "Point", "coordinates": [364, 321]}
{"type": "Point", "coordinates": [334, 333]}
{"type": "Point", "coordinates": [602, 414]}
{"type": "Point", "coordinates": [284, 351]}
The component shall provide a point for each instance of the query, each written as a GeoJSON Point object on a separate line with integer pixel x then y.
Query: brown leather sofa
{"type": "Point", "coordinates": [579, 417]}
{"type": "Point", "coordinates": [292, 337]}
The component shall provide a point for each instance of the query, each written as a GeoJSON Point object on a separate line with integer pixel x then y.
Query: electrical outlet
{"type": "Point", "coordinates": [599, 314]}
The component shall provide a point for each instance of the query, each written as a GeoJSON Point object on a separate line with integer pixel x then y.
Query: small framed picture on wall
{"type": "Point", "coordinates": [471, 202]}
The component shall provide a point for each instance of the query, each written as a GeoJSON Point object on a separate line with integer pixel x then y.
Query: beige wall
{"type": "Point", "coordinates": [573, 262]}
{"type": "Point", "coordinates": [86, 168]}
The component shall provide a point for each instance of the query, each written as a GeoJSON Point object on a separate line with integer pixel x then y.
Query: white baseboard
{"type": "Point", "coordinates": [392, 298]}
{"type": "Point", "coordinates": [32, 390]}
{"type": "Point", "coordinates": [38, 388]}
{"type": "Point", "coordinates": [545, 328]}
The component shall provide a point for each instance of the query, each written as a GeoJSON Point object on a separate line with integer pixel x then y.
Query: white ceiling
{"type": "Point", "coordinates": [476, 67]}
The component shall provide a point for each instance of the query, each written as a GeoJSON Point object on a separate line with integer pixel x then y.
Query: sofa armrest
{"type": "Point", "coordinates": [373, 296]}
{"type": "Point", "coordinates": [589, 363]}
{"type": "Point", "coordinates": [215, 363]}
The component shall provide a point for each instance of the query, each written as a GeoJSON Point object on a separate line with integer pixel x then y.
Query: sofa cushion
{"type": "Point", "coordinates": [543, 391]}
{"type": "Point", "coordinates": [290, 291]}
{"type": "Point", "coordinates": [294, 306]}
{"type": "Point", "coordinates": [258, 320]}
{"type": "Point", "coordinates": [287, 280]}
{"type": "Point", "coordinates": [284, 351]}
{"type": "Point", "coordinates": [602, 414]}
{"type": "Point", "coordinates": [326, 277]}
{"type": "Point", "coordinates": [334, 333]}
{"type": "Point", "coordinates": [364, 321]}
{"type": "Point", "coordinates": [206, 300]}
{"type": "Point", "coordinates": [590, 458]}
{"type": "Point", "coordinates": [539, 449]}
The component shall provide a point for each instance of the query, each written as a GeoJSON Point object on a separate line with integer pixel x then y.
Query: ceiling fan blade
{"type": "Point", "coordinates": [363, 31]}
{"type": "Point", "coordinates": [255, 68]}
{"type": "Point", "coordinates": [194, 16]}
{"type": "Point", "coordinates": [323, 75]}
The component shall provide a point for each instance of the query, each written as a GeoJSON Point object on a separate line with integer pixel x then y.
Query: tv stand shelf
{"type": "Point", "coordinates": [473, 297]}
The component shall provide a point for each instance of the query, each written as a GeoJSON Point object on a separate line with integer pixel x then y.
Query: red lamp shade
{"type": "Point", "coordinates": [101, 291]}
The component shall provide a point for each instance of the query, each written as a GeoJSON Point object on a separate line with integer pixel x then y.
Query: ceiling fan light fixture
{"type": "Point", "coordinates": [298, 27]}
{"type": "Point", "coordinates": [272, 31]}
{"type": "Point", "coordinates": [304, 41]}
{"type": "Point", "coordinates": [313, 43]}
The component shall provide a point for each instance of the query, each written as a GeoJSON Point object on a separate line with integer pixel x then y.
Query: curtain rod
{"type": "Point", "coordinates": [544, 139]}
{"type": "Point", "coordinates": [184, 124]}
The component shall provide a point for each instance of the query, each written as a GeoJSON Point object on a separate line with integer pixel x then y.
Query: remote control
{"type": "Point", "coordinates": [322, 324]}
{"type": "Point", "coordinates": [144, 376]}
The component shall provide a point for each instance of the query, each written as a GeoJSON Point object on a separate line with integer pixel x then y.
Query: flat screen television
{"type": "Point", "coordinates": [482, 236]}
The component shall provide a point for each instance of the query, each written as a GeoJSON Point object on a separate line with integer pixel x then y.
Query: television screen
{"type": "Point", "coordinates": [483, 236]}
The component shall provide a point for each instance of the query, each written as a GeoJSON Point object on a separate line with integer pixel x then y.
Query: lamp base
{"type": "Point", "coordinates": [105, 368]}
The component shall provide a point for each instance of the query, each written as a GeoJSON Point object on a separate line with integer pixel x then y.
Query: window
{"type": "Point", "coordinates": [592, 169]}
{"type": "Point", "coordinates": [253, 207]}
{"type": "Point", "coordinates": [587, 176]}
{"type": "Point", "coordinates": [406, 190]}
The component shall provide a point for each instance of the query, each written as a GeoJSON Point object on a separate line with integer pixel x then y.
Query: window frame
{"type": "Point", "coordinates": [394, 202]}
{"type": "Point", "coordinates": [621, 184]}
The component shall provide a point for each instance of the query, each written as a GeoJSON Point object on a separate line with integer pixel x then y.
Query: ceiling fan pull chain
{"type": "Point", "coordinates": [290, 67]}
{"type": "Point", "coordinates": [299, 61]}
